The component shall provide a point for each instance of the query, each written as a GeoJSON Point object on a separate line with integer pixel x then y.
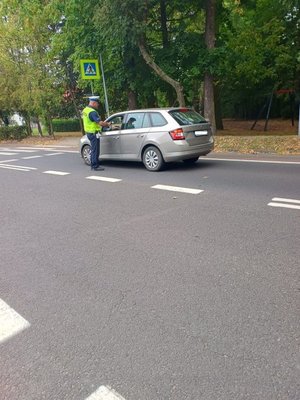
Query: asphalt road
{"type": "Point", "coordinates": [153, 293]}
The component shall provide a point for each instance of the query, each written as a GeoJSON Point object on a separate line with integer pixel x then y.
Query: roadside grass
{"type": "Point", "coordinates": [280, 138]}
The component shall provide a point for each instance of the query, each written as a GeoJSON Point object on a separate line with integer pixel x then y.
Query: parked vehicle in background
{"type": "Point", "coordinates": [154, 136]}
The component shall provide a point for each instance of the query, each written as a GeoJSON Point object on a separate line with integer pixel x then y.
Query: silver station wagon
{"type": "Point", "coordinates": [154, 136]}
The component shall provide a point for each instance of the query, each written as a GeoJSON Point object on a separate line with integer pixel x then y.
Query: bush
{"type": "Point", "coordinates": [13, 132]}
{"type": "Point", "coordinates": [66, 125]}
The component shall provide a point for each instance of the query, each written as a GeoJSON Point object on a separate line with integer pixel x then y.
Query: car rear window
{"type": "Point", "coordinates": [187, 117]}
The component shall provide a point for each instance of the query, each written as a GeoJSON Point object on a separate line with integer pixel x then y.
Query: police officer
{"type": "Point", "coordinates": [92, 123]}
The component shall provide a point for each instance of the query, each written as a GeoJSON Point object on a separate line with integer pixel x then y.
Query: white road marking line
{"type": "Point", "coordinates": [286, 200]}
{"type": "Point", "coordinates": [52, 148]}
{"type": "Point", "coordinates": [56, 173]}
{"type": "Point", "coordinates": [104, 179]}
{"type": "Point", "coordinates": [53, 154]}
{"type": "Point", "coordinates": [177, 189]}
{"type": "Point", "coordinates": [11, 322]}
{"type": "Point", "coordinates": [69, 151]}
{"type": "Point", "coordinates": [17, 166]}
{"type": "Point", "coordinates": [250, 161]}
{"type": "Point", "coordinates": [67, 147]}
{"type": "Point", "coordinates": [6, 153]}
{"type": "Point", "coordinates": [31, 157]}
{"type": "Point", "coordinates": [284, 205]}
{"type": "Point", "coordinates": [105, 393]}
{"type": "Point", "coordinates": [5, 161]}
{"type": "Point", "coordinates": [14, 168]}
{"type": "Point", "coordinates": [22, 150]}
{"type": "Point", "coordinates": [37, 148]}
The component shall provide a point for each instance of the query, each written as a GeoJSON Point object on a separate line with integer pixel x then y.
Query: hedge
{"type": "Point", "coordinates": [13, 132]}
{"type": "Point", "coordinates": [66, 125]}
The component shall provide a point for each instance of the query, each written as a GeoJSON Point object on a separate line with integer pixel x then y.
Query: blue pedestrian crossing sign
{"type": "Point", "coordinates": [89, 69]}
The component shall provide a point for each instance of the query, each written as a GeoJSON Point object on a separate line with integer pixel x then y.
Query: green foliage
{"type": "Point", "coordinates": [260, 44]}
{"type": "Point", "coordinates": [66, 125]}
{"type": "Point", "coordinates": [257, 50]}
{"type": "Point", "coordinates": [13, 132]}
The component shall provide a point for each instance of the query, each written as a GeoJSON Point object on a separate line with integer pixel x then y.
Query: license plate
{"type": "Point", "coordinates": [201, 133]}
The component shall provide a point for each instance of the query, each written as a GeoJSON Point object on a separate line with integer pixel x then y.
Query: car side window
{"type": "Point", "coordinates": [134, 121]}
{"type": "Point", "coordinates": [116, 122]}
{"type": "Point", "coordinates": [157, 119]}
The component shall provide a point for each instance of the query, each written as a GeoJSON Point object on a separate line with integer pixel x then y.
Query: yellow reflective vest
{"type": "Point", "coordinates": [89, 126]}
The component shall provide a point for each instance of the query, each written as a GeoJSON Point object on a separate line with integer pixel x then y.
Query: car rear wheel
{"type": "Point", "coordinates": [86, 154]}
{"type": "Point", "coordinates": [152, 159]}
{"type": "Point", "coordinates": [191, 160]}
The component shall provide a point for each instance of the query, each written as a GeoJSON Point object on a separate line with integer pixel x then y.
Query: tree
{"type": "Point", "coordinates": [210, 38]}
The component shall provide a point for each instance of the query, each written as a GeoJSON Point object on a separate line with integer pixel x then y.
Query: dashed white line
{"type": "Point", "coordinates": [11, 323]}
{"type": "Point", "coordinates": [6, 153]}
{"type": "Point", "coordinates": [103, 178]}
{"type": "Point", "coordinates": [251, 161]}
{"type": "Point", "coordinates": [5, 161]}
{"type": "Point", "coordinates": [105, 393]}
{"type": "Point", "coordinates": [19, 150]}
{"type": "Point", "coordinates": [53, 154]}
{"type": "Point", "coordinates": [56, 173]}
{"type": "Point", "coordinates": [20, 167]}
{"type": "Point", "coordinates": [31, 157]}
{"type": "Point", "coordinates": [284, 203]}
{"type": "Point", "coordinates": [286, 200]}
{"type": "Point", "coordinates": [177, 189]}
{"type": "Point", "coordinates": [14, 168]}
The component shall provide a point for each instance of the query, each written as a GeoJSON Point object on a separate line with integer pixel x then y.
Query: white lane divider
{"type": "Point", "coordinates": [17, 167]}
{"type": "Point", "coordinates": [11, 323]}
{"type": "Point", "coordinates": [5, 161]}
{"type": "Point", "coordinates": [103, 178]}
{"type": "Point", "coordinates": [6, 153]}
{"type": "Point", "coordinates": [31, 157]}
{"type": "Point", "coordinates": [53, 154]}
{"type": "Point", "coordinates": [285, 203]}
{"type": "Point", "coordinates": [105, 393]}
{"type": "Point", "coordinates": [61, 173]}
{"type": "Point", "coordinates": [250, 161]}
{"type": "Point", "coordinates": [177, 189]}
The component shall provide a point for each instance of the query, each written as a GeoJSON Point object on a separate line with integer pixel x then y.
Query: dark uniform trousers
{"type": "Point", "coordinates": [95, 149]}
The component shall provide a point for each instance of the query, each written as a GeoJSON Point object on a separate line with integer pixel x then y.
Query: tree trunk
{"type": "Point", "coordinates": [39, 127]}
{"type": "Point", "coordinates": [176, 85]}
{"type": "Point", "coordinates": [132, 100]}
{"type": "Point", "coordinates": [210, 37]}
{"type": "Point", "coordinates": [50, 126]}
{"type": "Point", "coordinates": [218, 110]}
{"type": "Point", "coordinates": [27, 123]}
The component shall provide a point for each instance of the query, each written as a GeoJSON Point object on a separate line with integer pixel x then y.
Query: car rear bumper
{"type": "Point", "coordinates": [186, 153]}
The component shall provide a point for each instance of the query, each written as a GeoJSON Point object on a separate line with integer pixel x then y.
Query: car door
{"type": "Point", "coordinates": [135, 127]}
{"type": "Point", "coordinates": [110, 144]}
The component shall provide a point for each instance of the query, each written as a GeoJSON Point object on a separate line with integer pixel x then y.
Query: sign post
{"type": "Point", "coordinates": [104, 87]}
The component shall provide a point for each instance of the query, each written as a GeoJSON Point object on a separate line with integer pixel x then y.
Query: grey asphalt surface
{"type": "Point", "coordinates": [159, 295]}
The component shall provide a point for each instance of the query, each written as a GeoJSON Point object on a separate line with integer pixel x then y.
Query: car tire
{"type": "Point", "coordinates": [191, 160]}
{"type": "Point", "coordinates": [153, 159]}
{"type": "Point", "coordinates": [86, 154]}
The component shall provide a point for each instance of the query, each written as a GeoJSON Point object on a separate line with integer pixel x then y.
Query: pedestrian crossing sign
{"type": "Point", "coordinates": [89, 69]}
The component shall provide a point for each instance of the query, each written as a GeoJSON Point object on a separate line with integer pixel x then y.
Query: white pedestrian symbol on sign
{"type": "Point", "coordinates": [90, 70]}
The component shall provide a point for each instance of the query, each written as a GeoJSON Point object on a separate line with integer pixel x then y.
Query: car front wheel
{"type": "Point", "coordinates": [152, 159]}
{"type": "Point", "coordinates": [86, 154]}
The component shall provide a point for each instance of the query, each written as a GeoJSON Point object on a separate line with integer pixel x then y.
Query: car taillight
{"type": "Point", "coordinates": [177, 134]}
